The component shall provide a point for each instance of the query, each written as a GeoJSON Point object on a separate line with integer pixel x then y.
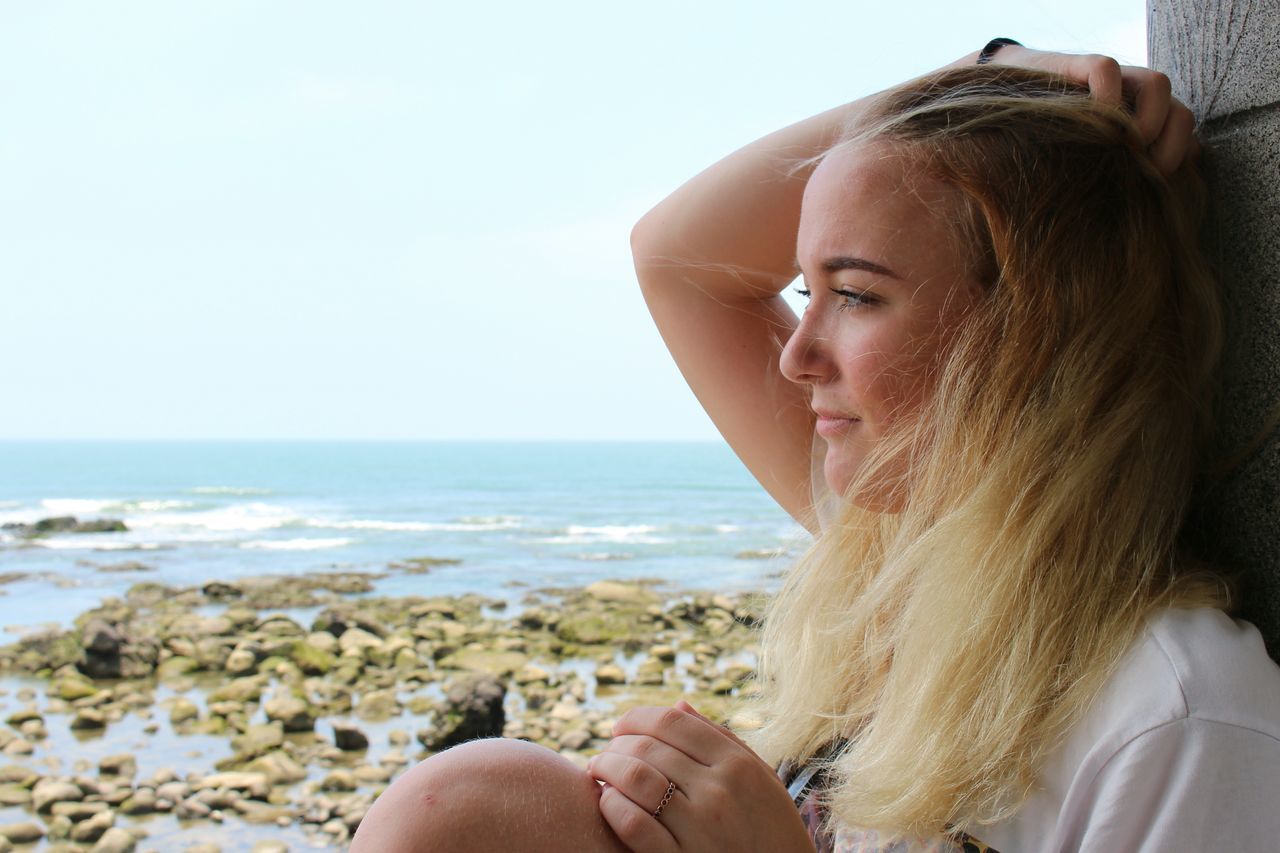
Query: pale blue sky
{"type": "Point", "coordinates": [397, 220]}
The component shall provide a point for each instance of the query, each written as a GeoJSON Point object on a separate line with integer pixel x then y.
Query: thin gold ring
{"type": "Point", "coordinates": [666, 798]}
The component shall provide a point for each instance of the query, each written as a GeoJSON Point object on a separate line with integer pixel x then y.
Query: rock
{"type": "Point", "coordinates": [19, 746]}
{"type": "Point", "coordinates": [339, 780]}
{"type": "Point", "coordinates": [610, 673]}
{"type": "Point", "coordinates": [71, 689]}
{"type": "Point", "coordinates": [16, 774]}
{"type": "Point", "coordinates": [575, 739]}
{"type": "Point", "coordinates": [111, 653]}
{"type": "Point", "coordinates": [292, 712]}
{"type": "Point", "coordinates": [269, 847]}
{"type": "Point", "coordinates": [191, 808]}
{"type": "Point", "coordinates": [77, 812]}
{"type": "Point", "coordinates": [358, 639]}
{"type": "Point", "coordinates": [496, 663]}
{"type": "Point", "coordinates": [143, 801]}
{"type": "Point", "coordinates": [123, 764]}
{"type": "Point", "coordinates": [349, 738]}
{"type": "Point", "coordinates": [174, 791]}
{"type": "Point", "coordinates": [279, 767]}
{"type": "Point", "coordinates": [370, 774]}
{"type": "Point", "coordinates": [50, 791]}
{"type": "Point", "coordinates": [255, 784]}
{"type": "Point", "coordinates": [93, 828]}
{"type": "Point", "coordinates": [14, 795]}
{"type": "Point", "coordinates": [183, 710]}
{"type": "Point", "coordinates": [116, 840]}
{"type": "Point", "coordinates": [378, 705]}
{"type": "Point", "coordinates": [312, 659]}
{"type": "Point", "coordinates": [218, 591]}
{"type": "Point", "coordinates": [22, 833]}
{"type": "Point", "coordinates": [88, 718]}
{"type": "Point", "coordinates": [322, 640]}
{"type": "Point", "coordinates": [620, 592]}
{"type": "Point", "coordinates": [531, 674]}
{"type": "Point", "coordinates": [259, 739]}
{"type": "Point", "coordinates": [473, 710]}
{"type": "Point", "coordinates": [176, 667]}
{"type": "Point", "coordinates": [248, 689]}
{"type": "Point", "coordinates": [240, 661]}
{"type": "Point", "coordinates": [24, 715]}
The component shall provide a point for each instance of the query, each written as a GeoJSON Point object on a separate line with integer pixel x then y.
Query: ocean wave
{"type": "Point", "coordinates": [483, 523]}
{"type": "Point", "coordinates": [579, 534]}
{"type": "Point", "coordinates": [229, 490]}
{"type": "Point", "coordinates": [232, 519]}
{"type": "Point", "coordinates": [80, 542]}
{"type": "Point", "coordinates": [602, 556]}
{"type": "Point", "coordinates": [75, 506]}
{"type": "Point", "coordinates": [296, 544]}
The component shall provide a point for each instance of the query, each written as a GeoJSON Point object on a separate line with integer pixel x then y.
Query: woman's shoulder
{"type": "Point", "coordinates": [1192, 710]}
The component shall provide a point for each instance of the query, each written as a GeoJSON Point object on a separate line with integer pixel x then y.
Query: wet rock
{"type": "Point", "coordinates": [22, 833]}
{"type": "Point", "coordinates": [240, 662]}
{"type": "Point", "coordinates": [16, 774]}
{"type": "Point", "coordinates": [620, 592]}
{"type": "Point", "coordinates": [50, 791]}
{"type": "Point", "coordinates": [14, 795]}
{"type": "Point", "coordinates": [252, 811]}
{"type": "Point", "coordinates": [109, 652]}
{"type": "Point", "coordinates": [269, 847]}
{"type": "Point", "coordinates": [91, 830]}
{"type": "Point", "coordinates": [496, 663]}
{"type": "Point", "coordinates": [256, 785]}
{"type": "Point", "coordinates": [312, 659]}
{"type": "Point", "coordinates": [279, 767]}
{"type": "Point", "coordinates": [19, 746]}
{"type": "Point", "coordinates": [116, 840]}
{"type": "Point", "coordinates": [575, 739]}
{"type": "Point", "coordinates": [183, 710]}
{"type": "Point", "coordinates": [473, 709]}
{"type": "Point", "coordinates": [292, 712]}
{"type": "Point", "coordinates": [259, 739]}
{"type": "Point", "coordinates": [378, 705]}
{"type": "Point", "coordinates": [23, 715]}
{"type": "Point", "coordinates": [89, 718]}
{"type": "Point", "coordinates": [247, 689]}
{"type": "Point", "coordinates": [349, 738]}
{"type": "Point", "coordinates": [77, 812]}
{"type": "Point", "coordinates": [339, 780]}
{"type": "Point", "coordinates": [369, 774]}
{"type": "Point", "coordinates": [143, 801]}
{"type": "Point", "coordinates": [123, 764]}
{"type": "Point", "coordinates": [610, 673]}
{"type": "Point", "coordinates": [191, 808]}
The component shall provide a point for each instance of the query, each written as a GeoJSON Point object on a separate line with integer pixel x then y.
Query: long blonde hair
{"type": "Point", "coordinates": [949, 647]}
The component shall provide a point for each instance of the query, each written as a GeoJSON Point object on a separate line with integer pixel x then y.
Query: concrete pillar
{"type": "Point", "coordinates": [1223, 57]}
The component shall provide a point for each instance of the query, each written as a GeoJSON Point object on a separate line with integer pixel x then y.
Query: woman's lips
{"type": "Point", "coordinates": [830, 425]}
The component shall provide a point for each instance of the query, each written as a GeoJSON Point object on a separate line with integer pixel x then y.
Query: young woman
{"type": "Point", "coordinates": [991, 415]}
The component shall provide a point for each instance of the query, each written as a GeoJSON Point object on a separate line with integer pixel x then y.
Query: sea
{"type": "Point", "coordinates": [515, 516]}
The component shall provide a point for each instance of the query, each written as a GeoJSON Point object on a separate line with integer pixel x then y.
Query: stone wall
{"type": "Point", "coordinates": [1223, 57]}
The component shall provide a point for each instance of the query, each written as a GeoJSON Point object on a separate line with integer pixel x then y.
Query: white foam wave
{"type": "Point", "coordinates": [75, 506]}
{"type": "Point", "coordinates": [229, 490]}
{"type": "Point", "coordinates": [462, 525]}
{"type": "Point", "coordinates": [577, 534]}
{"type": "Point", "coordinates": [727, 528]}
{"type": "Point", "coordinates": [602, 556]}
{"type": "Point", "coordinates": [231, 519]}
{"type": "Point", "coordinates": [296, 544]}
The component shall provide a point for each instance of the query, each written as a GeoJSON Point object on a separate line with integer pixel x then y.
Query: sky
{"type": "Point", "coordinates": [379, 220]}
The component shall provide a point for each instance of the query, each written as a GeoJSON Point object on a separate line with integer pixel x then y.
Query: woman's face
{"type": "Point", "coordinates": [888, 283]}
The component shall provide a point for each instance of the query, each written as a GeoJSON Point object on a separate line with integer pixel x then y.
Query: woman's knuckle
{"type": "Point", "coordinates": [670, 717]}
{"type": "Point", "coordinates": [633, 774]}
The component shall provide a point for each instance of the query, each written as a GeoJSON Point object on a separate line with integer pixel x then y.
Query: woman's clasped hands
{"type": "Point", "coordinates": [718, 794]}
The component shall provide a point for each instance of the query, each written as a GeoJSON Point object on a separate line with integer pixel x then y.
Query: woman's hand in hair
{"type": "Point", "coordinates": [1166, 124]}
{"type": "Point", "coordinates": [725, 797]}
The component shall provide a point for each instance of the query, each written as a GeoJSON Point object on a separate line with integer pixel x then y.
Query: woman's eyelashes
{"type": "Point", "coordinates": [849, 299]}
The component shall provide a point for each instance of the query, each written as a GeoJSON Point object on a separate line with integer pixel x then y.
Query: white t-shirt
{"type": "Point", "coordinates": [1181, 751]}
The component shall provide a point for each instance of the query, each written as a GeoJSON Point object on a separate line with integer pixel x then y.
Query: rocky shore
{"type": "Point", "coordinates": [309, 695]}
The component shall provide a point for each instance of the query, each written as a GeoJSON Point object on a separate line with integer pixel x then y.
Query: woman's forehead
{"type": "Point", "coordinates": [876, 201]}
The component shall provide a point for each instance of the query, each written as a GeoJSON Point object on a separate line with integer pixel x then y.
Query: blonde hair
{"type": "Point", "coordinates": [950, 646]}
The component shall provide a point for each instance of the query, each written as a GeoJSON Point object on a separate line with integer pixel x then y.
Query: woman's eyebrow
{"type": "Point", "coordinates": [845, 262]}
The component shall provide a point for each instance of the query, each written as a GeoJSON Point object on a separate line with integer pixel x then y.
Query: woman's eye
{"type": "Point", "coordinates": [849, 299]}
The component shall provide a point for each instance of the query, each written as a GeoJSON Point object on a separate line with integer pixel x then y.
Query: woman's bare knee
{"type": "Point", "coordinates": [485, 795]}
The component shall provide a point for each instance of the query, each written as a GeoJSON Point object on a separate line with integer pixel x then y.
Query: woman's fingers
{"type": "Point", "coordinates": [1151, 95]}
{"type": "Point", "coordinates": [1176, 140]}
{"type": "Point", "coordinates": [697, 738]}
{"type": "Point", "coordinates": [641, 782]}
{"type": "Point", "coordinates": [636, 828]}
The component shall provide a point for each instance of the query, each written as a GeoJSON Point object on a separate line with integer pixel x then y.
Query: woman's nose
{"type": "Point", "coordinates": [805, 358]}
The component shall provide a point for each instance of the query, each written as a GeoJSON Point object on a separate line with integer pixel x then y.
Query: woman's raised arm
{"type": "Point", "coordinates": [714, 256]}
